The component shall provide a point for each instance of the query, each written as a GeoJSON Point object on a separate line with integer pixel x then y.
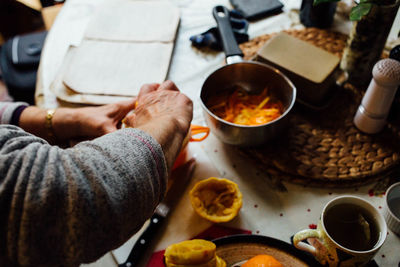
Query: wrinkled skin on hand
{"type": "Point", "coordinates": [165, 113]}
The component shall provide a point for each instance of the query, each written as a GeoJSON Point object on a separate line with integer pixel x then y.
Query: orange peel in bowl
{"type": "Point", "coordinates": [220, 262]}
{"type": "Point", "coordinates": [216, 199]}
{"type": "Point", "coordinates": [262, 260]}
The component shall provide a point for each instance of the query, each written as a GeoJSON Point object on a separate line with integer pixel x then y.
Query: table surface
{"type": "Point", "coordinates": [266, 210]}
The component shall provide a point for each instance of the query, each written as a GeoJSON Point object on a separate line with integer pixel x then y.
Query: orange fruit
{"type": "Point", "coordinates": [216, 199]}
{"type": "Point", "coordinates": [262, 261]}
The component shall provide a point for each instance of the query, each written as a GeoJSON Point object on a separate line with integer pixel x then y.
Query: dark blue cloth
{"type": "Point", "coordinates": [395, 53]}
{"type": "Point", "coordinates": [17, 114]}
{"type": "Point", "coordinates": [211, 38]}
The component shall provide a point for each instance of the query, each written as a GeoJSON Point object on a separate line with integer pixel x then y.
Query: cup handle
{"type": "Point", "coordinates": [303, 235]}
{"type": "Point", "coordinates": [197, 129]}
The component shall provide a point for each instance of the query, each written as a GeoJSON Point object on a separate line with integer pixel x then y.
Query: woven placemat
{"type": "Point", "coordinates": [324, 147]}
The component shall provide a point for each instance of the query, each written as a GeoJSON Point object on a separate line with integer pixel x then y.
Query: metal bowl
{"type": "Point", "coordinates": [253, 77]}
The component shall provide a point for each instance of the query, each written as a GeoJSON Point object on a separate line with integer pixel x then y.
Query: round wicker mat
{"type": "Point", "coordinates": [323, 147]}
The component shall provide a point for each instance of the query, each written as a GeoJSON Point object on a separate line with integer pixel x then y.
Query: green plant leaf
{"type": "Point", "coordinates": [359, 11]}
{"type": "Point", "coordinates": [317, 2]}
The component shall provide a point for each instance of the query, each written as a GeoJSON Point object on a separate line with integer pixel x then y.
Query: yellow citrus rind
{"type": "Point", "coordinates": [214, 262]}
{"type": "Point", "coordinates": [220, 262]}
{"type": "Point", "coordinates": [216, 199]}
{"type": "Point", "coordinates": [192, 252]}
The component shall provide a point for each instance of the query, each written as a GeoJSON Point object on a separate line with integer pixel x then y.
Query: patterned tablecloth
{"type": "Point", "coordinates": [270, 207]}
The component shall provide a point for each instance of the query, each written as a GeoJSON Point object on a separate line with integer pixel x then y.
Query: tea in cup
{"type": "Point", "coordinates": [349, 233]}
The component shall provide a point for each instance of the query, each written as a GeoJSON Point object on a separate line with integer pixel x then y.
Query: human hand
{"type": "Point", "coordinates": [90, 122]}
{"type": "Point", "coordinates": [76, 124]}
{"type": "Point", "coordinates": [165, 113]}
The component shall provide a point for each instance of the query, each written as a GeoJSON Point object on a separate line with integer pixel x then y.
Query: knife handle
{"type": "Point", "coordinates": [143, 242]}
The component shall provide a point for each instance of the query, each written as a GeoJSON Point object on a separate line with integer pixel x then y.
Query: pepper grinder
{"type": "Point", "coordinates": [375, 105]}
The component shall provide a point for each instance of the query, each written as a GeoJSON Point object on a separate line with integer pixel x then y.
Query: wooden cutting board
{"type": "Point", "coordinates": [127, 43]}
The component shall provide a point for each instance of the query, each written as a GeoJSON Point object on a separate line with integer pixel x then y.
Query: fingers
{"type": "Point", "coordinates": [126, 106]}
{"type": "Point", "coordinates": [162, 100]}
{"type": "Point", "coordinates": [148, 88]}
{"type": "Point", "coordinates": [168, 85]}
{"type": "Point", "coordinates": [130, 120]}
{"type": "Point", "coordinates": [151, 87]}
{"type": "Point", "coordinates": [117, 111]}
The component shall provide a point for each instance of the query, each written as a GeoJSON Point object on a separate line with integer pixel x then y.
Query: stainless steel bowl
{"type": "Point", "coordinates": [251, 76]}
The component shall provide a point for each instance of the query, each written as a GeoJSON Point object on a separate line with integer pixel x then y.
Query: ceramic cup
{"type": "Point", "coordinates": [392, 208]}
{"type": "Point", "coordinates": [341, 219]}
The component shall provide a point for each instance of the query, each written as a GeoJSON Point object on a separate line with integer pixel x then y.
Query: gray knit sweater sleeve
{"type": "Point", "coordinates": [62, 207]}
{"type": "Point", "coordinates": [7, 109]}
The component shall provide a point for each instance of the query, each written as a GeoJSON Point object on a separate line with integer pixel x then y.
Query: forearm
{"type": "Point", "coordinates": [74, 205]}
{"type": "Point", "coordinates": [74, 124]}
{"type": "Point", "coordinates": [65, 122]}
{"type": "Point", "coordinates": [62, 124]}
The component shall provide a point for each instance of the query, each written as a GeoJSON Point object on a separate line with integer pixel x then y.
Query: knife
{"type": "Point", "coordinates": [180, 178]}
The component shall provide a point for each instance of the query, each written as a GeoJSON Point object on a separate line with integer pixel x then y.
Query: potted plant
{"type": "Point", "coordinates": [317, 15]}
{"type": "Point", "coordinates": [373, 20]}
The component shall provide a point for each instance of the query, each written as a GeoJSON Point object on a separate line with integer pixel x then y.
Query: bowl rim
{"type": "Point", "coordinates": [291, 104]}
{"type": "Point", "coordinates": [388, 207]}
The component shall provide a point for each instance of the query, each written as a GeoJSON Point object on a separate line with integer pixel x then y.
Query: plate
{"type": "Point", "coordinates": [237, 249]}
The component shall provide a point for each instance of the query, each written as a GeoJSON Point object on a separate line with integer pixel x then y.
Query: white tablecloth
{"type": "Point", "coordinates": [265, 210]}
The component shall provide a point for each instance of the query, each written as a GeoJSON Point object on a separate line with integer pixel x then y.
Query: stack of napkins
{"type": "Point", "coordinates": [127, 43]}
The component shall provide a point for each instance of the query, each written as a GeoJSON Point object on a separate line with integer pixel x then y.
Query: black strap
{"type": "Point", "coordinates": [1, 73]}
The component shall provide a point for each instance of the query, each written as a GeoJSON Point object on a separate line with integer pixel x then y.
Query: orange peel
{"type": "Point", "coordinates": [216, 199]}
{"type": "Point", "coordinates": [193, 253]}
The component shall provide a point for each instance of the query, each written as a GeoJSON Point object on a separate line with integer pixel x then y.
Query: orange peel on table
{"type": "Point", "coordinates": [216, 199]}
{"type": "Point", "coordinates": [262, 260]}
{"type": "Point", "coordinates": [197, 133]}
{"type": "Point", "coordinates": [193, 253]}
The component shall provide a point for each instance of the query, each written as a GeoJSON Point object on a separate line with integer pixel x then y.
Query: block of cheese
{"type": "Point", "coordinates": [312, 70]}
